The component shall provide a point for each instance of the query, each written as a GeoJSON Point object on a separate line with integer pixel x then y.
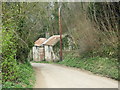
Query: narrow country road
{"type": "Point", "coordinates": [55, 76]}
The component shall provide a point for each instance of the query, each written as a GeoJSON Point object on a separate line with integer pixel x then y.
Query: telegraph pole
{"type": "Point", "coordinates": [60, 30]}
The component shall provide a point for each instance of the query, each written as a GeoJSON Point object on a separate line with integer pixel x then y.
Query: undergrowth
{"type": "Point", "coordinates": [25, 78]}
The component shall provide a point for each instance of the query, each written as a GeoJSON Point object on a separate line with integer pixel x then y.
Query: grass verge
{"type": "Point", "coordinates": [97, 65]}
{"type": "Point", "coordinates": [26, 78]}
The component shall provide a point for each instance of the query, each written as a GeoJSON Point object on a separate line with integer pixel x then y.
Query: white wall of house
{"type": "Point", "coordinates": [49, 54]}
{"type": "Point", "coordinates": [37, 51]}
{"type": "Point", "coordinates": [34, 53]}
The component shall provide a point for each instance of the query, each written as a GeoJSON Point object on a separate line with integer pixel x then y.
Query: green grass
{"type": "Point", "coordinates": [26, 78]}
{"type": "Point", "coordinates": [97, 65]}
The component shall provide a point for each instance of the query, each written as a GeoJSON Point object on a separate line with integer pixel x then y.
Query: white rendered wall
{"type": "Point", "coordinates": [49, 54]}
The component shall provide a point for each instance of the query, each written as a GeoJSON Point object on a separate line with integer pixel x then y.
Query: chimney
{"type": "Point", "coordinates": [47, 35]}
